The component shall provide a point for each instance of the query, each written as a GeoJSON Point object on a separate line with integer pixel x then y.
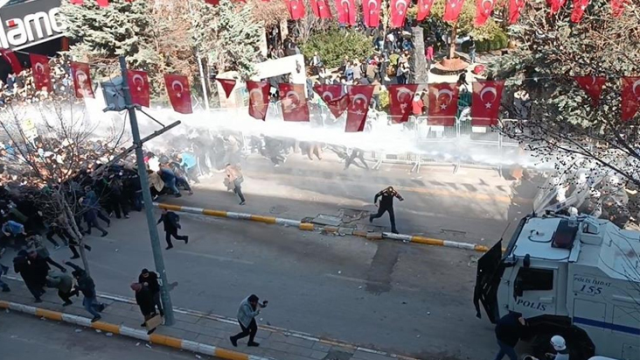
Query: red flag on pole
{"type": "Point", "coordinates": [41, 72]}
{"type": "Point", "coordinates": [484, 8]}
{"type": "Point", "coordinates": [485, 102]}
{"type": "Point", "coordinates": [346, 12]}
{"type": "Point", "coordinates": [443, 104]}
{"type": "Point", "coordinates": [294, 102]}
{"type": "Point", "coordinates": [424, 9]}
{"type": "Point", "coordinates": [212, 2]}
{"type": "Point", "coordinates": [398, 12]}
{"type": "Point", "coordinates": [515, 8]}
{"type": "Point", "coordinates": [400, 101]}
{"type": "Point", "coordinates": [139, 87]}
{"type": "Point", "coordinates": [227, 85]}
{"type": "Point", "coordinates": [258, 99]}
{"type": "Point", "coordinates": [617, 7]}
{"type": "Point", "coordinates": [77, 2]}
{"type": "Point", "coordinates": [82, 80]}
{"type": "Point", "coordinates": [452, 10]}
{"type": "Point", "coordinates": [179, 93]}
{"type": "Point", "coordinates": [333, 97]}
{"type": "Point", "coordinates": [103, 3]}
{"type": "Point", "coordinates": [359, 98]}
{"type": "Point", "coordinates": [321, 9]}
{"type": "Point", "coordinates": [556, 5]}
{"type": "Point", "coordinates": [592, 85]}
{"type": "Point", "coordinates": [296, 9]}
{"type": "Point", "coordinates": [579, 6]}
{"type": "Point", "coordinates": [371, 13]}
{"type": "Point", "coordinates": [630, 97]}
{"type": "Point", "coordinates": [11, 58]}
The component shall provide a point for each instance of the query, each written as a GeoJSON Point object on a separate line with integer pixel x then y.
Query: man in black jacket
{"type": "Point", "coordinates": [144, 299]}
{"type": "Point", "coordinates": [386, 205]}
{"type": "Point", "coordinates": [150, 280]}
{"type": "Point", "coordinates": [509, 329]}
{"type": "Point", "coordinates": [171, 222]}
{"type": "Point", "coordinates": [86, 285]}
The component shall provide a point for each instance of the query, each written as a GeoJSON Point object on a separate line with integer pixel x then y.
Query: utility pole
{"type": "Point", "coordinates": [146, 196]}
{"type": "Point", "coordinates": [203, 80]}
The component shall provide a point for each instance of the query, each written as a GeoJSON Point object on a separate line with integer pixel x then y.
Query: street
{"type": "Point", "coordinates": [27, 337]}
{"type": "Point", "coordinates": [402, 298]}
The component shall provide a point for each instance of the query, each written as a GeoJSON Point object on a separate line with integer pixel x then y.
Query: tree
{"type": "Point", "coordinates": [334, 44]}
{"type": "Point", "coordinates": [562, 125]}
{"type": "Point", "coordinates": [48, 137]}
{"type": "Point", "coordinates": [227, 35]}
{"type": "Point", "coordinates": [100, 35]}
{"type": "Point", "coordinates": [465, 24]}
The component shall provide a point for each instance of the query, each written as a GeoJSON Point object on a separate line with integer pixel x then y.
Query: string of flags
{"type": "Point", "coordinates": [371, 9]}
{"type": "Point", "coordinates": [353, 99]}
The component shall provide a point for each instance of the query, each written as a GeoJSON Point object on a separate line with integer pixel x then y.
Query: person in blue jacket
{"type": "Point", "coordinates": [189, 163]}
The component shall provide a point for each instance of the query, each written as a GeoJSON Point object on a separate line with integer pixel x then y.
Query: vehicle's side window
{"type": "Point", "coordinates": [530, 279]}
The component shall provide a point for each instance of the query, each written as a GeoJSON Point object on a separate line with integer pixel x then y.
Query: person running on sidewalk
{"type": "Point", "coordinates": [29, 274]}
{"type": "Point", "coordinates": [3, 271]}
{"type": "Point", "coordinates": [144, 299]}
{"type": "Point", "coordinates": [234, 180]}
{"type": "Point", "coordinates": [171, 222]}
{"type": "Point", "coordinates": [150, 279]}
{"type": "Point", "coordinates": [64, 284]}
{"type": "Point", "coordinates": [386, 205]}
{"type": "Point", "coordinates": [35, 243]}
{"type": "Point", "coordinates": [249, 309]}
{"type": "Point", "coordinates": [86, 285]}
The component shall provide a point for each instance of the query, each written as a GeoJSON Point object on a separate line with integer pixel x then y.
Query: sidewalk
{"type": "Point", "coordinates": [198, 330]}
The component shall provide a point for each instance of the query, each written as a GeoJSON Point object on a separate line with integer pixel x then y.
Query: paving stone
{"type": "Point", "coordinates": [279, 355]}
{"type": "Point", "coordinates": [277, 345]}
{"type": "Point", "coordinates": [299, 350]}
{"type": "Point", "coordinates": [363, 355]}
{"type": "Point", "coordinates": [315, 354]}
{"type": "Point", "coordinates": [299, 342]}
{"type": "Point", "coordinates": [322, 347]}
{"type": "Point", "coordinates": [186, 318]}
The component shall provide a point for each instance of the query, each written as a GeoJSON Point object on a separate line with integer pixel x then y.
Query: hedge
{"type": "Point", "coordinates": [334, 44]}
{"type": "Point", "coordinates": [498, 42]}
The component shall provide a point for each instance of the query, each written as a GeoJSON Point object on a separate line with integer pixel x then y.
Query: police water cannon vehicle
{"type": "Point", "coordinates": [574, 276]}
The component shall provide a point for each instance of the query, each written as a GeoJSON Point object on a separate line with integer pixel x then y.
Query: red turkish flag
{"type": "Point", "coordinates": [227, 85]}
{"type": "Point", "coordinates": [485, 102]}
{"type": "Point", "coordinates": [11, 59]}
{"type": "Point", "coordinates": [82, 80]}
{"type": "Point", "coordinates": [77, 2]}
{"type": "Point", "coordinates": [556, 5]}
{"type": "Point", "coordinates": [296, 9]}
{"type": "Point", "coordinates": [630, 97]}
{"type": "Point", "coordinates": [424, 9]}
{"type": "Point", "coordinates": [212, 2]}
{"type": "Point", "coordinates": [515, 8]}
{"type": "Point", "coordinates": [346, 11]}
{"type": "Point", "coordinates": [484, 8]}
{"type": "Point", "coordinates": [371, 13]}
{"type": "Point", "coordinates": [41, 72]}
{"type": "Point", "coordinates": [443, 104]}
{"type": "Point", "coordinates": [400, 101]}
{"type": "Point", "coordinates": [294, 102]}
{"type": "Point", "coordinates": [452, 10]}
{"type": "Point", "coordinates": [359, 98]}
{"type": "Point", "coordinates": [617, 7]}
{"type": "Point", "coordinates": [592, 85]}
{"type": "Point", "coordinates": [579, 6]}
{"type": "Point", "coordinates": [321, 9]}
{"type": "Point", "coordinates": [258, 99]}
{"type": "Point", "coordinates": [139, 87]}
{"type": "Point", "coordinates": [333, 97]}
{"type": "Point", "coordinates": [398, 12]}
{"type": "Point", "coordinates": [179, 93]}
{"type": "Point", "coordinates": [103, 3]}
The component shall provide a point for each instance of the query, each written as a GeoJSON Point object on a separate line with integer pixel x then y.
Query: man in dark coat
{"type": "Point", "coordinates": [150, 280]}
{"type": "Point", "coordinates": [171, 222]}
{"type": "Point", "coordinates": [86, 285]}
{"type": "Point", "coordinates": [28, 273]}
{"type": "Point", "coordinates": [386, 205]}
{"type": "Point", "coordinates": [509, 329]}
{"type": "Point", "coordinates": [144, 299]}
{"type": "Point", "coordinates": [64, 284]}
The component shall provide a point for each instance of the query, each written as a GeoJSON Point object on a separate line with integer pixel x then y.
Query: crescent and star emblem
{"type": "Point", "coordinates": [487, 90]}
{"type": "Point", "coordinates": [179, 84]}
{"type": "Point", "coordinates": [448, 93]}
{"type": "Point", "coordinates": [635, 88]}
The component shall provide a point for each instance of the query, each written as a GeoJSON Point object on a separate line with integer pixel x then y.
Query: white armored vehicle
{"type": "Point", "coordinates": [578, 277]}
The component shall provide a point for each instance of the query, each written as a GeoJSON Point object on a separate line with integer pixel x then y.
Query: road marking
{"type": "Point", "coordinates": [219, 258]}
{"type": "Point", "coordinates": [362, 281]}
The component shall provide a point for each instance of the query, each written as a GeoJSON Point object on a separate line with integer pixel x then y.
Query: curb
{"type": "Point", "coordinates": [325, 229]}
{"type": "Point", "coordinates": [180, 344]}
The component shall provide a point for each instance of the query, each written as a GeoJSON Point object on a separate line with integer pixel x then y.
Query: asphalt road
{"type": "Point", "coordinates": [27, 337]}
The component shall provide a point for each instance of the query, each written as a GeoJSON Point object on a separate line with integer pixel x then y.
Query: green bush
{"type": "Point", "coordinates": [334, 44]}
{"type": "Point", "coordinates": [499, 41]}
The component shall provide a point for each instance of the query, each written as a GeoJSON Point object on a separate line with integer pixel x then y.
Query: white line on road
{"type": "Point", "coordinates": [363, 281]}
{"type": "Point", "coordinates": [219, 258]}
